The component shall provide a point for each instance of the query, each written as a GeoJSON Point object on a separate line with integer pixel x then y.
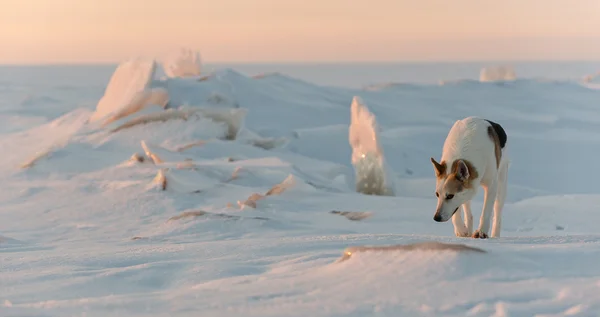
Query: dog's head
{"type": "Point", "coordinates": [454, 187]}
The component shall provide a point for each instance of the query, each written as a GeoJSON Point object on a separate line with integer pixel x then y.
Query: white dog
{"type": "Point", "coordinates": [473, 155]}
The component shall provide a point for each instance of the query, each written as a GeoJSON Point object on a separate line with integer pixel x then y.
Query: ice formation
{"type": "Point", "coordinates": [373, 177]}
{"type": "Point", "coordinates": [128, 83]}
{"type": "Point", "coordinates": [184, 63]}
{"type": "Point", "coordinates": [497, 73]}
{"type": "Point", "coordinates": [148, 97]}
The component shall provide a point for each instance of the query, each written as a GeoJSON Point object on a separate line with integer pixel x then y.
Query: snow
{"type": "Point", "coordinates": [238, 198]}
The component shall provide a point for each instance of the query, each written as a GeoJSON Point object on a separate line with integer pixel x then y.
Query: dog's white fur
{"type": "Point", "coordinates": [468, 140]}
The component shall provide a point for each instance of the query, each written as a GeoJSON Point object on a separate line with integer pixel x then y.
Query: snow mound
{"type": "Point", "coordinates": [265, 75]}
{"type": "Point", "coordinates": [232, 118]}
{"type": "Point", "coordinates": [390, 86]}
{"type": "Point", "coordinates": [497, 73]}
{"type": "Point", "coordinates": [183, 64]}
{"type": "Point", "coordinates": [62, 130]}
{"type": "Point", "coordinates": [126, 88]}
{"type": "Point", "coordinates": [373, 176]}
{"type": "Point", "coordinates": [6, 241]}
{"type": "Point", "coordinates": [456, 82]}
{"type": "Point", "coordinates": [423, 246]}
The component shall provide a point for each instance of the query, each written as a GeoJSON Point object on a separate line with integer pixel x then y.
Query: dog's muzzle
{"type": "Point", "coordinates": [438, 217]}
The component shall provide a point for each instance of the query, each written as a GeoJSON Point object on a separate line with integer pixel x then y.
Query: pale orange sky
{"type": "Point", "coordinates": [99, 31]}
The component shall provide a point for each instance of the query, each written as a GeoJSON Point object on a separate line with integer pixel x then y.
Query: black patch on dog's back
{"type": "Point", "coordinates": [500, 132]}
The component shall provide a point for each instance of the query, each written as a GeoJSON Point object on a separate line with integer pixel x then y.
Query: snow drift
{"type": "Point", "coordinates": [134, 97]}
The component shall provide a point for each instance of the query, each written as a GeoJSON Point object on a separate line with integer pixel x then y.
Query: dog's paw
{"type": "Point", "coordinates": [462, 234]}
{"type": "Point", "coordinates": [480, 235]}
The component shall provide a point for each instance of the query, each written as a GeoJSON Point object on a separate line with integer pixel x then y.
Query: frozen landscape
{"type": "Point", "coordinates": [174, 189]}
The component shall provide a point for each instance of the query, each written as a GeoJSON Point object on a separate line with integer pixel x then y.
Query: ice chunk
{"type": "Point", "coordinates": [497, 73]}
{"type": "Point", "coordinates": [141, 100]}
{"type": "Point", "coordinates": [373, 177]}
{"type": "Point", "coordinates": [130, 78]}
{"type": "Point", "coordinates": [182, 64]}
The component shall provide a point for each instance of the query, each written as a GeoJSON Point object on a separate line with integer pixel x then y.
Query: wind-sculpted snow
{"type": "Point", "coordinates": [238, 197]}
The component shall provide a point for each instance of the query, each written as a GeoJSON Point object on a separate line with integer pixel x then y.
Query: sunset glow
{"type": "Point", "coordinates": [94, 31]}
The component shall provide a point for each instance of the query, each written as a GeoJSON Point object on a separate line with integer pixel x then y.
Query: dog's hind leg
{"type": "Point", "coordinates": [500, 198]}
{"type": "Point", "coordinates": [468, 217]}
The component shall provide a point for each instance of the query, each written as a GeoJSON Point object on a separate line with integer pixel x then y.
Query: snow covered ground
{"type": "Point", "coordinates": [89, 231]}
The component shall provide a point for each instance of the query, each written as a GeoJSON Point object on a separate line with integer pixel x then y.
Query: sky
{"type": "Point", "coordinates": [108, 31]}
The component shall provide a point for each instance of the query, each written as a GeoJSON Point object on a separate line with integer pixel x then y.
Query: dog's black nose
{"type": "Point", "coordinates": [437, 217]}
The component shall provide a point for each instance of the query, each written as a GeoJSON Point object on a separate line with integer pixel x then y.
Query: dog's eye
{"type": "Point", "coordinates": [449, 196]}
{"type": "Point", "coordinates": [437, 194]}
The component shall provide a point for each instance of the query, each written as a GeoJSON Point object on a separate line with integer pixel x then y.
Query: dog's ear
{"type": "Point", "coordinates": [462, 171]}
{"type": "Point", "coordinates": [440, 169]}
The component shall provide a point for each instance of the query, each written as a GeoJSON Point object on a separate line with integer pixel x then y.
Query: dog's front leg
{"type": "Point", "coordinates": [460, 230]}
{"type": "Point", "coordinates": [468, 217]}
{"type": "Point", "coordinates": [488, 205]}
